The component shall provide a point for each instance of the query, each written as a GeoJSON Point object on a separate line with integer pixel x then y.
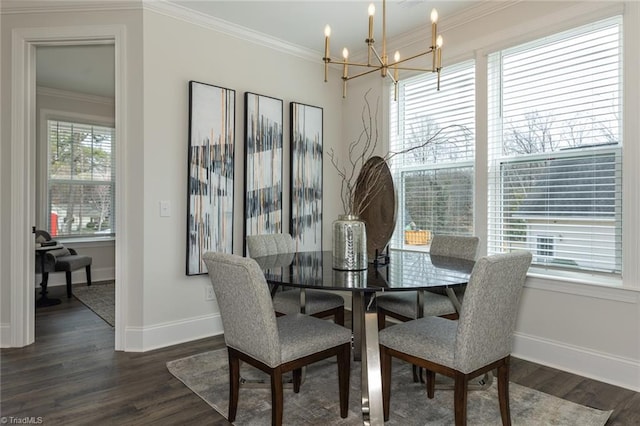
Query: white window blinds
{"type": "Point", "coordinates": [81, 179]}
{"type": "Point", "coordinates": [434, 177]}
{"type": "Point", "coordinates": [555, 149]}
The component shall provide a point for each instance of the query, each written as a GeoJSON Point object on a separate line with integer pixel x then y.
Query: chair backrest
{"type": "Point", "coordinates": [488, 315]}
{"type": "Point", "coordinates": [245, 306]}
{"type": "Point", "coordinates": [266, 244]}
{"type": "Point", "coordinates": [454, 246]}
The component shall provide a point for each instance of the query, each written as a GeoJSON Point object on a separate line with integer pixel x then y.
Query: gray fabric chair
{"type": "Point", "coordinates": [275, 345]}
{"type": "Point", "coordinates": [64, 260]}
{"type": "Point", "coordinates": [403, 305]}
{"type": "Point", "coordinates": [320, 304]}
{"type": "Point", "coordinates": [479, 342]}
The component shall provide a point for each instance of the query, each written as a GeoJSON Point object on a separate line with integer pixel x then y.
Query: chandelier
{"type": "Point", "coordinates": [381, 61]}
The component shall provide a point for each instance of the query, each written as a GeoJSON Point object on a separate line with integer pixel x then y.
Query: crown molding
{"type": "Point", "coordinates": [220, 25]}
{"type": "Point", "coordinates": [65, 6]}
{"type": "Point", "coordinates": [75, 96]}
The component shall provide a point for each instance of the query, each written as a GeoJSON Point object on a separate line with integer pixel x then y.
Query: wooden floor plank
{"type": "Point", "coordinates": [73, 375]}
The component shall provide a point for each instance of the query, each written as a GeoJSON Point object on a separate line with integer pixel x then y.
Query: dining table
{"type": "Point", "coordinates": [402, 270]}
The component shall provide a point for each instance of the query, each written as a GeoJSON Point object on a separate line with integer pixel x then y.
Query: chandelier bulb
{"type": "Point", "coordinates": [327, 31]}
{"type": "Point", "coordinates": [345, 53]}
{"type": "Point", "coordinates": [434, 16]}
{"type": "Point", "coordinates": [439, 42]}
{"type": "Point", "coordinates": [372, 9]}
{"type": "Point", "coordinates": [396, 56]}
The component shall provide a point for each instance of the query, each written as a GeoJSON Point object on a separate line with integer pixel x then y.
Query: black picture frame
{"type": "Point", "coordinates": [263, 165]}
{"type": "Point", "coordinates": [306, 140]}
{"type": "Point", "coordinates": [210, 181]}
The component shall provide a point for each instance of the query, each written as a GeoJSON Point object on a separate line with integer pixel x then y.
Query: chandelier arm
{"type": "Point", "coordinates": [431, 51]}
{"type": "Point", "coordinates": [417, 69]}
{"type": "Point", "coordinates": [357, 64]}
{"type": "Point", "coordinates": [361, 74]}
{"type": "Point", "coordinates": [380, 58]}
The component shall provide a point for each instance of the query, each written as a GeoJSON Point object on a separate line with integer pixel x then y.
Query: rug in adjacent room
{"type": "Point", "coordinates": [317, 403]}
{"type": "Point", "coordinates": [100, 297]}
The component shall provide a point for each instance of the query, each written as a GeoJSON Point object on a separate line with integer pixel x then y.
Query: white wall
{"type": "Point", "coordinates": [173, 299]}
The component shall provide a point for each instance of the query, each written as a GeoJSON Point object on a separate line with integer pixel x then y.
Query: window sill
{"type": "Point", "coordinates": [583, 285]}
{"type": "Point", "coordinates": [87, 241]}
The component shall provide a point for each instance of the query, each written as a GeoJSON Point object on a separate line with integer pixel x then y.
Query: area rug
{"type": "Point", "coordinates": [100, 298]}
{"type": "Point", "coordinates": [317, 403]}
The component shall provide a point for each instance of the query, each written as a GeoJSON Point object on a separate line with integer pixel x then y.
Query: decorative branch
{"type": "Point", "coordinates": [360, 187]}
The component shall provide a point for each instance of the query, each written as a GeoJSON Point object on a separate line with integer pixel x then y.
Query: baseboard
{"type": "Point", "coordinates": [5, 335]}
{"type": "Point", "coordinates": [618, 371]}
{"type": "Point", "coordinates": [142, 339]}
{"type": "Point", "coordinates": [78, 277]}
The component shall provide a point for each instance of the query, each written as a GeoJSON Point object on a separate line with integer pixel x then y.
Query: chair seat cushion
{"type": "Point", "coordinates": [431, 338]}
{"type": "Point", "coordinates": [405, 303]}
{"type": "Point", "coordinates": [72, 262]}
{"type": "Point", "coordinates": [302, 335]}
{"type": "Point", "coordinates": [288, 302]}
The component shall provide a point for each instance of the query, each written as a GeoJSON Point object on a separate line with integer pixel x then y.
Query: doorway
{"type": "Point", "coordinates": [23, 172]}
{"type": "Point", "coordinates": [75, 160]}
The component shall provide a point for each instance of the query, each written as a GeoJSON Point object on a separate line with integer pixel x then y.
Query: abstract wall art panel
{"type": "Point", "coordinates": [306, 177]}
{"type": "Point", "coordinates": [211, 168]}
{"type": "Point", "coordinates": [263, 165]}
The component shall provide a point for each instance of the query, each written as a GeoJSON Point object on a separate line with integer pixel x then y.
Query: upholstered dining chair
{"type": "Point", "coordinates": [318, 303]}
{"type": "Point", "coordinates": [63, 259]}
{"type": "Point", "coordinates": [479, 342]}
{"type": "Point", "coordinates": [275, 345]}
{"type": "Point", "coordinates": [403, 305]}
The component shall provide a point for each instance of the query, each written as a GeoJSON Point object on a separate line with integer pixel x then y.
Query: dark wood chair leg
{"type": "Point", "coordinates": [339, 316]}
{"type": "Point", "coordinates": [344, 365]}
{"type": "Point", "coordinates": [431, 383]}
{"type": "Point", "coordinates": [382, 322]}
{"type": "Point", "coordinates": [460, 399]}
{"type": "Point", "coordinates": [234, 386]}
{"type": "Point", "coordinates": [277, 402]}
{"type": "Point", "coordinates": [385, 365]}
{"type": "Point", "coordinates": [297, 379]}
{"type": "Point", "coordinates": [88, 269]}
{"type": "Point", "coordinates": [68, 275]}
{"type": "Point", "coordinates": [503, 392]}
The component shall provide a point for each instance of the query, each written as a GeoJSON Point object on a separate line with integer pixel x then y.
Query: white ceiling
{"type": "Point", "coordinates": [302, 22]}
{"type": "Point", "coordinates": [90, 69]}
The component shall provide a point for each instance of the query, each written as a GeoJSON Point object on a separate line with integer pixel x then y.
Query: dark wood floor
{"type": "Point", "coordinates": [72, 375]}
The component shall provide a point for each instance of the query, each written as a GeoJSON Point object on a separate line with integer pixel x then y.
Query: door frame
{"type": "Point", "coordinates": [23, 170]}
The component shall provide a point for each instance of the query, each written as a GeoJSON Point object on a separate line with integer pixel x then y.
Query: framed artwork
{"type": "Point", "coordinates": [262, 165]}
{"type": "Point", "coordinates": [211, 167]}
{"type": "Point", "coordinates": [305, 222]}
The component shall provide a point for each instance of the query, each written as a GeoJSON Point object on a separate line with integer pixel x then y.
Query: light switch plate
{"type": "Point", "coordinates": [165, 209]}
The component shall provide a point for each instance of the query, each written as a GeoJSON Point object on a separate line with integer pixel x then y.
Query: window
{"type": "Point", "coordinates": [81, 179]}
{"type": "Point", "coordinates": [545, 248]}
{"type": "Point", "coordinates": [434, 179]}
{"type": "Point", "coordinates": [555, 149]}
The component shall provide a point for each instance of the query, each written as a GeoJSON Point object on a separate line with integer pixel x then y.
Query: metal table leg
{"type": "Point", "coordinates": [371, 376]}
{"type": "Point", "coordinates": [357, 324]}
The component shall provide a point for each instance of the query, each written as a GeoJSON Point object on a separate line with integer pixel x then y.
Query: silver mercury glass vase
{"type": "Point", "coordinates": [349, 244]}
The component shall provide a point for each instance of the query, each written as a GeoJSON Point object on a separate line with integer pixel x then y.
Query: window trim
{"type": "Point", "coordinates": [42, 169]}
